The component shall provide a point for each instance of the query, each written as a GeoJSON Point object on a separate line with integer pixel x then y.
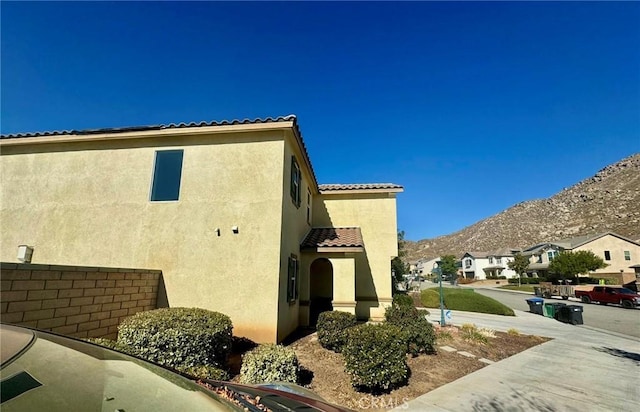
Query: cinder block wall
{"type": "Point", "coordinates": [75, 301]}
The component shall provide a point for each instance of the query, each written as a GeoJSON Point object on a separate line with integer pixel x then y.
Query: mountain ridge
{"type": "Point", "coordinates": [609, 201]}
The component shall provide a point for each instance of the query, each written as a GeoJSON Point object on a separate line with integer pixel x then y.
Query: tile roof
{"type": "Point", "coordinates": [478, 255]}
{"type": "Point", "coordinates": [362, 186]}
{"type": "Point", "coordinates": [288, 118]}
{"type": "Point", "coordinates": [86, 132]}
{"type": "Point", "coordinates": [333, 237]}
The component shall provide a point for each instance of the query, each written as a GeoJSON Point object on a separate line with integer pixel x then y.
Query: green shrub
{"type": "Point", "coordinates": [423, 311]}
{"type": "Point", "coordinates": [111, 344]}
{"type": "Point", "coordinates": [401, 299]}
{"type": "Point", "coordinates": [416, 331]}
{"type": "Point", "coordinates": [178, 337]}
{"type": "Point", "coordinates": [375, 357]}
{"type": "Point", "coordinates": [332, 327]}
{"type": "Point", "coordinates": [269, 363]}
{"type": "Point", "coordinates": [526, 281]}
{"type": "Point", "coordinates": [205, 372]}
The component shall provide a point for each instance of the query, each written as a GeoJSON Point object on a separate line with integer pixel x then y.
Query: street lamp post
{"type": "Point", "coordinates": [438, 271]}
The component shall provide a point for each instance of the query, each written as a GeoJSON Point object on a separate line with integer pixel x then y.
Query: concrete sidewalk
{"type": "Point", "coordinates": [581, 369]}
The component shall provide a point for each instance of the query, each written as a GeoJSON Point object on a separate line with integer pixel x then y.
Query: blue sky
{"type": "Point", "coordinates": [472, 107]}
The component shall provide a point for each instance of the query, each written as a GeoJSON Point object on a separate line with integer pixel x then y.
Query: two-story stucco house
{"type": "Point", "coordinates": [483, 265]}
{"type": "Point", "coordinates": [619, 253]}
{"type": "Point", "coordinates": [230, 212]}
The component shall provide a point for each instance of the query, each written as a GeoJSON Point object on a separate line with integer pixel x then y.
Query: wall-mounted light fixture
{"type": "Point", "coordinates": [235, 229]}
{"type": "Point", "coordinates": [24, 253]}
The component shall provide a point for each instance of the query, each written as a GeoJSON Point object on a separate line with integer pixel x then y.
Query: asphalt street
{"type": "Point", "coordinates": [611, 317]}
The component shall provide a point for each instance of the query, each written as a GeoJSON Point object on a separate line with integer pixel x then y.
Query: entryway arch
{"type": "Point", "coordinates": [320, 288]}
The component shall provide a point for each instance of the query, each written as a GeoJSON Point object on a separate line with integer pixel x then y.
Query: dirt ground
{"type": "Point", "coordinates": [326, 376]}
{"type": "Point", "coordinates": [323, 370]}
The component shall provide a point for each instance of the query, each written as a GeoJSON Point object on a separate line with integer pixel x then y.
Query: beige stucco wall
{"type": "Point", "coordinates": [616, 247]}
{"type": "Point", "coordinates": [88, 204]}
{"type": "Point", "coordinates": [375, 214]}
{"type": "Point", "coordinates": [294, 229]}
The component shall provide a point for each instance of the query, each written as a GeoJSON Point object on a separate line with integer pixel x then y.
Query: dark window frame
{"type": "Point", "coordinates": [295, 182]}
{"type": "Point", "coordinates": [308, 207]}
{"type": "Point", "coordinates": [293, 271]}
{"type": "Point", "coordinates": [607, 255]}
{"type": "Point", "coordinates": [166, 179]}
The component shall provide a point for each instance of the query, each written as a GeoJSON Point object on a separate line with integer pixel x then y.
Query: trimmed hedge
{"type": "Point", "coordinates": [402, 299]}
{"type": "Point", "coordinates": [415, 328]}
{"type": "Point", "coordinates": [178, 337]}
{"type": "Point", "coordinates": [526, 281]}
{"type": "Point", "coordinates": [111, 344]}
{"type": "Point", "coordinates": [332, 327]}
{"type": "Point", "coordinates": [375, 357]}
{"type": "Point", "coordinates": [269, 363]}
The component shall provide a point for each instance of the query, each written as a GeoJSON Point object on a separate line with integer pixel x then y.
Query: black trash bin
{"type": "Point", "coordinates": [535, 305]}
{"type": "Point", "coordinates": [570, 314]}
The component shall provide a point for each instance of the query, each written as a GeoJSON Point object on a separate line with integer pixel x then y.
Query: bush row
{"type": "Point", "coordinates": [375, 355]}
{"type": "Point", "coordinates": [527, 281]}
{"type": "Point", "coordinates": [197, 342]}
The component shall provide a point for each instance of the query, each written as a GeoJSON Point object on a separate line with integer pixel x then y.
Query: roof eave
{"type": "Point", "coordinates": [359, 191]}
{"type": "Point", "coordinates": [335, 249]}
{"type": "Point", "coordinates": [142, 134]}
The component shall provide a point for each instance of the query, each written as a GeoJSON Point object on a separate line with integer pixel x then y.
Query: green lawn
{"type": "Point", "coordinates": [465, 300]}
{"type": "Point", "coordinates": [523, 288]}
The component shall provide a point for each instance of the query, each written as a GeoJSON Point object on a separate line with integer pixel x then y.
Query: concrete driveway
{"type": "Point", "coordinates": [581, 369]}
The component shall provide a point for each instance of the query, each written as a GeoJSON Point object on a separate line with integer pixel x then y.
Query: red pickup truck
{"type": "Point", "coordinates": [610, 294]}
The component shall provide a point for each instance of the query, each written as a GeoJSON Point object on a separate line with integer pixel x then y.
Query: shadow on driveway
{"type": "Point", "coordinates": [621, 354]}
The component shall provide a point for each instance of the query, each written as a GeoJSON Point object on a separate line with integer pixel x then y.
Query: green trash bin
{"type": "Point", "coordinates": [552, 308]}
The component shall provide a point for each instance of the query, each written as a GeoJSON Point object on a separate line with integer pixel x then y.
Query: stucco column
{"type": "Point", "coordinates": [305, 272]}
{"type": "Point", "coordinates": [344, 283]}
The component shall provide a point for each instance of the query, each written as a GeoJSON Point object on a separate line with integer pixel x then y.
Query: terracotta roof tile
{"type": "Point", "coordinates": [333, 237]}
{"type": "Point", "coordinates": [362, 186]}
{"type": "Point", "coordinates": [288, 118]}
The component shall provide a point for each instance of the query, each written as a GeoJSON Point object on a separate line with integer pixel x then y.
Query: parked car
{"type": "Point", "coordinates": [45, 371]}
{"type": "Point", "coordinates": [610, 294]}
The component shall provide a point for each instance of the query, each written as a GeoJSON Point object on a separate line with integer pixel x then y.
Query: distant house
{"type": "Point", "coordinates": [229, 211]}
{"type": "Point", "coordinates": [619, 253]}
{"type": "Point", "coordinates": [483, 265]}
{"type": "Point", "coordinates": [425, 266]}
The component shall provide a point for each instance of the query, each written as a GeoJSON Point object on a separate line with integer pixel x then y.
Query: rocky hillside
{"type": "Point", "coordinates": [608, 201]}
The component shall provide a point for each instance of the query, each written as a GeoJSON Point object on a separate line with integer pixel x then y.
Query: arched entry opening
{"type": "Point", "coordinates": [320, 289]}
